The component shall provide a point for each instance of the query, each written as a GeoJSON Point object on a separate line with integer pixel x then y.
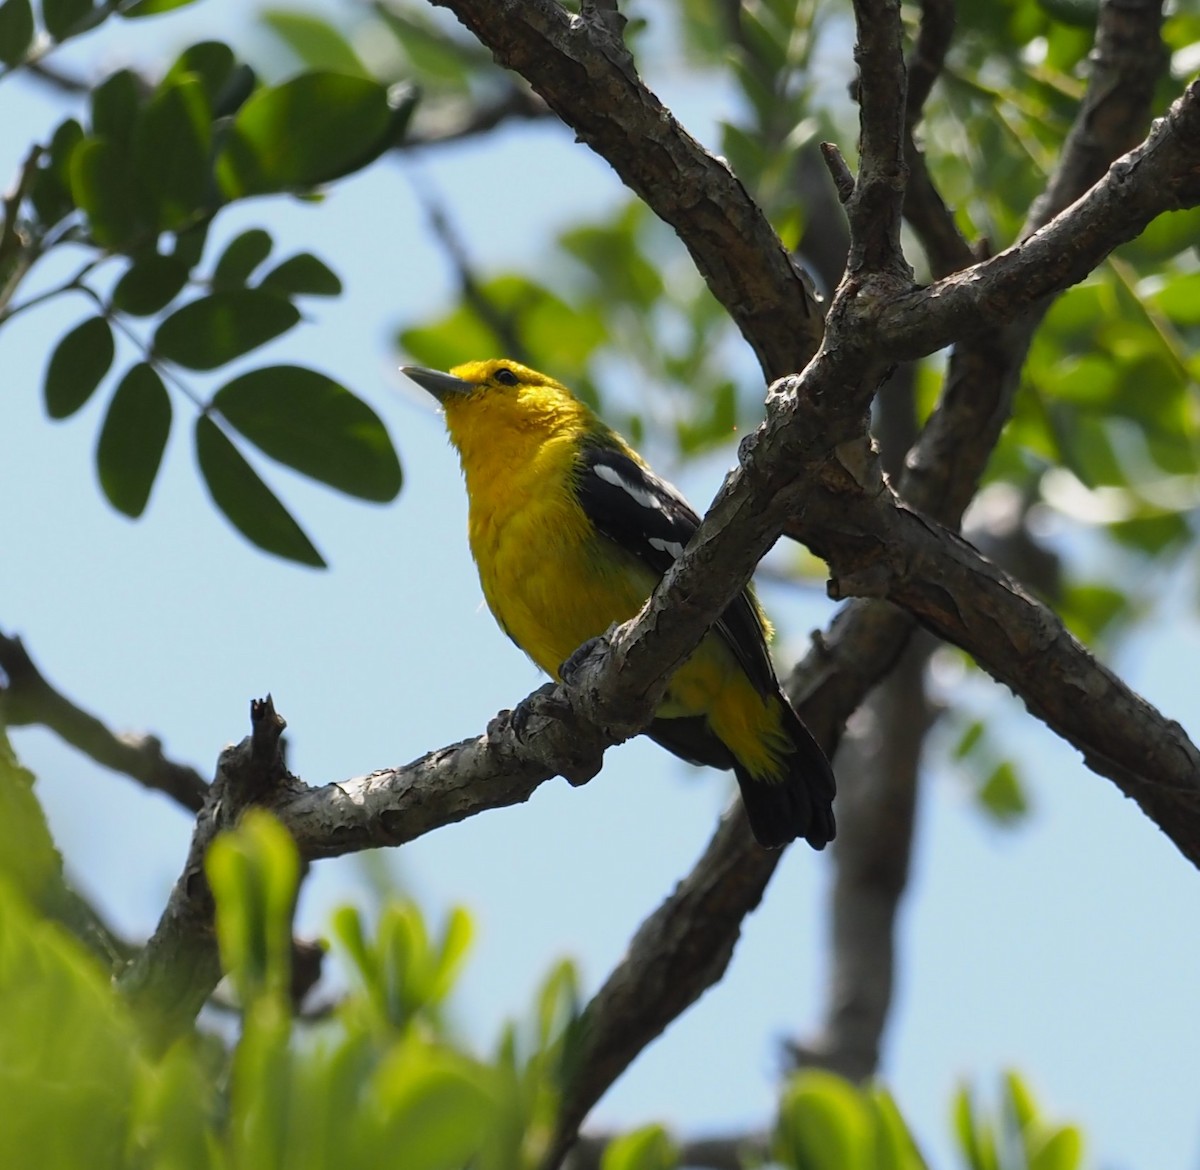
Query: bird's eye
{"type": "Point", "coordinates": [505, 376]}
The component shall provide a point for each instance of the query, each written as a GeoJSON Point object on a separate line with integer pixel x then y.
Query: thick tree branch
{"type": "Point", "coordinates": [27, 698]}
{"type": "Point", "coordinates": [586, 77]}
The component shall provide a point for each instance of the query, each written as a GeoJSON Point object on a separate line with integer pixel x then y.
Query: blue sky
{"type": "Point", "coordinates": [1065, 949]}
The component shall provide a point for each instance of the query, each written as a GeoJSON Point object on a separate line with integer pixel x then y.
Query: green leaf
{"type": "Point", "coordinates": [823, 1125]}
{"type": "Point", "coordinates": [241, 257]}
{"type": "Point", "coordinates": [101, 186]}
{"type": "Point", "coordinates": [153, 7]}
{"type": "Point", "coordinates": [1061, 1150]}
{"type": "Point", "coordinates": [150, 283]}
{"type": "Point", "coordinates": [172, 141]}
{"type": "Point", "coordinates": [115, 104]}
{"type": "Point", "coordinates": [254, 871]}
{"type": "Point", "coordinates": [303, 275]}
{"type": "Point", "coordinates": [435, 1108]}
{"type": "Point", "coordinates": [16, 30]}
{"type": "Point", "coordinates": [189, 243]}
{"type": "Point", "coordinates": [303, 133]}
{"type": "Point", "coordinates": [315, 425]}
{"type": "Point", "coordinates": [68, 1049]}
{"type": "Point", "coordinates": [971, 737]}
{"type": "Point", "coordinates": [133, 439]}
{"type": "Point", "coordinates": [51, 191]}
{"type": "Point", "coordinates": [79, 362]}
{"type": "Point", "coordinates": [213, 330]}
{"type": "Point", "coordinates": [250, 506]}
{"type": "Point", "coordinates": [976, 1140]}
{"type": "Point", "coordinates": [1002, 795]}
{"type": "Point", "coordinates": [316, 42]}
{"type": "Point", "coordinates": [28, 857]}
{"type": "Point", "coordinates": [62, 16]}
{"type": "Point", "coordinates": [647, 1148]}
{"type": "Point", "coordinates": [211, 61]}
{"type": "Point", "coordinates": [1179, 298]}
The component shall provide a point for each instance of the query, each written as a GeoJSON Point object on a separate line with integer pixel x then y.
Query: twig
{"type": "Point", "coordinates": [502, 324]}
{"type": "Point", "coordinates": [28, 698]}
{"type": "Point", "coordinates": [178, 968]}
{"type": "Point", "coordinates": [590, 85]}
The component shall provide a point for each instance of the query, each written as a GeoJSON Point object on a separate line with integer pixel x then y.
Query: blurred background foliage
{"type": "Point", "coordinates": [1099, 467]}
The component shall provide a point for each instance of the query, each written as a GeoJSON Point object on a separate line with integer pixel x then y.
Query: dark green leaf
{"type": "Point", "coordinates": [100, 185]}
{"type": "Point", "coordinates": [189, 243]}
{"type": "Point", "coordinates": [311, 423]}
{"type": "Point", "coordinates": [171, 145]}
{"type": "Point", "coordinates": [242, 256]}
{"type": "Point", "coordinates": [250, 506]}
{"type": "Point", "coordinates": [211, 61]}
{"type": "Point", "coordinates": [16, 30]}
{"type": "Point", "coordinates": [78, 363]}
{"type": "Point", "coordinates": [133, 439]}
{"type": "Point", "coordinates": [149, 284]}
{"type": "Point", "coordinates": [115, 104]}
{"type": "Point", "coordinates": [302, 133]}
{"type": "Point", "coordinates": [314, 41]}
{"type": "Point", "coordinates": [153, 7]}
{"type": "Point", "coordinates": [303, 275]}
{"type": "Point", "coordinates": [213, 330]}
{"type": "Point", "coordinates": [61, 16]}
{"type": "Point", "coordinates": [51, 192]}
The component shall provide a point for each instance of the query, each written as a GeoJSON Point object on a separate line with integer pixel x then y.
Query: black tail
{"type": "Point", "coordinates": [798, 804]}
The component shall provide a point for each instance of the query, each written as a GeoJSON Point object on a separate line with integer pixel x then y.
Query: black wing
{"type": "Point", "coordinates": [647, 517]}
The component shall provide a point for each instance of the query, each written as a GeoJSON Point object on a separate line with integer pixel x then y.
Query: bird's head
{"type": "Point", "coordinates": [486, 398]}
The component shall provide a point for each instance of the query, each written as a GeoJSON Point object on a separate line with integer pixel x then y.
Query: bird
{"type": "Point", "coordinates": [571, 531]}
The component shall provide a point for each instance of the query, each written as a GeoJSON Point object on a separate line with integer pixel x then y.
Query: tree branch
{"type": "Point", "coordinates": [874, 209]}
{"type": "Point", "coordinates": [27, 698]}
{"type": "Point", "coordinates": [1161, 174]}
{"type": "Point", "coordinates": [585, 76]}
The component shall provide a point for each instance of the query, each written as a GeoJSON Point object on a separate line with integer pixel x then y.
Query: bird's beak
{"type": "Point", "coordinates": [441, 386]}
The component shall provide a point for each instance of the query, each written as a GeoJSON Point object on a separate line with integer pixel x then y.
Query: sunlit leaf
{"type": "Point", "coordinates": [303, 133]}
{"type": "Point", "coordinates": [317, 43]}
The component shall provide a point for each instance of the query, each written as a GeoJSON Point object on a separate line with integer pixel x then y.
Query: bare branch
{"type": "Point", "coordinates": [28, 698]}
{"type": "Point", "coordinates": [178, 968]}
{"type": "Point", "coordinates": [502, 324]}
{"type": "Point", "coordinates": [874, 210]}
{"type": "Point", "coordinates": [517, 103]}
{"type": "Point", "coordinates": [944, 245]}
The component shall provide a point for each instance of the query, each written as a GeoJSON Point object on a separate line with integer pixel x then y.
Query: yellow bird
{"type": "Point", "coordinates": [571, 531]}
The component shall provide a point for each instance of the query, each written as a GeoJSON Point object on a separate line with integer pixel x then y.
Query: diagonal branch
{"type": "Point", "coordinates": [26, 697]}
{"type": "Point", "coordinates": [585, 76]}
